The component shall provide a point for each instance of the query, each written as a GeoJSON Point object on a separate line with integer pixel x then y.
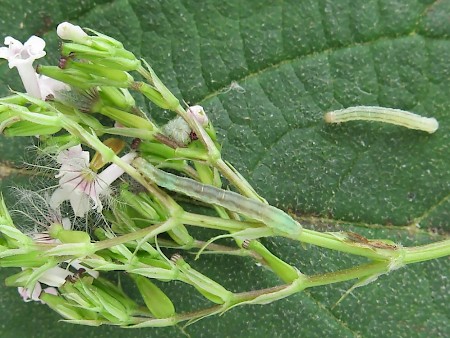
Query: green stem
{"type": "Point", "coordinates": [360, 271]}
{"type": "Point", "coordinates": [329, 241]}
{"type": "Point", "coordinates": [281, 291]}
{"type": "Point", "coordinates": [150, 231]}
{"type": "Point", "coordinates": [426, 252]}
{"type": "Point", "coordinates": [131, 132]}
{"type": "Point", "coordinates": [215, 222]}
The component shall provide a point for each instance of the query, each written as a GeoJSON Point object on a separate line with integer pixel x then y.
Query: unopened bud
{"type": "Point", "coordinates": [199, 114]}
{"type": "Point", "coordinates": [156, 300]}
{"type": "Point", "coordinates": [68, 236]}
{"type": "Point", "coordinates": [68, 31]}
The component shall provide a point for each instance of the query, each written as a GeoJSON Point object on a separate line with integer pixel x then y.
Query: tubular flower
{"type": "Point", "coordinates": [22, 57]}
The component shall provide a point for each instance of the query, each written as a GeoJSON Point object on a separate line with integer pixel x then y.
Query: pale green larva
{"type": "Point", "coordinates": [272, 217]}
{"type": "Point", "coordinates": [381, 114]}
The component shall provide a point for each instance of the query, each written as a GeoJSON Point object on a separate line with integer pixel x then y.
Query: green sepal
{"type": "Point", "coordinates": [181, 236]}
{"type": "Point", "coordinates": [170, 100]}
{"type": "Point", "coordinates": [127, 119]}
{"type": "Point", "coordinates": [33, 259]}
{"type": "Point", "coordinates": [117, 97]}
{"type": "Point", "coordinates": [151, 93]}
{"type": "Point", "coordinates": [285, 271]}
{"type": "Point", "coordinates": [206, 286]}
{"type": "Point", "coordinates": [26, 128]}
{"type": "Point", "coordinates": [142, 206]}
{"type": "Point", "coordinates": [19, 279]}
{"type": "Point", "coordinates": [65, 308]}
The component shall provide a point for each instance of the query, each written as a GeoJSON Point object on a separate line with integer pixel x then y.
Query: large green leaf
{"type": "Point", "coordinates": [294, 61]}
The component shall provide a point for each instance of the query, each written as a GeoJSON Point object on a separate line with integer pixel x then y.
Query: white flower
{"type": "Point", "coordinates": [39, 212]}
{"type": "Point", "coordinates": [54, 278]}
{"type": "Point", "coordinates": [199, 114]}
{"type": "Point", "coordinates": [68, 31]}
{"type": "Point", "coordinates": [34, 294]}
{"type": "Point", "coordinates": [79, 184]}
{"type": "Point", "coordinates": [22, 57]}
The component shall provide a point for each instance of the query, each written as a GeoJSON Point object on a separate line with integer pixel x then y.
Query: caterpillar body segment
{"type": "Point", "coordinates": [381, 114]}
{"type": "Point", "coordinates": [267, 214]}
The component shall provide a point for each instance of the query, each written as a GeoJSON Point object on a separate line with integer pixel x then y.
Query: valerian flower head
{"type": "Point", "coordinates": [81, 185]}
{"type": "Point", "coordinates": [22, 57]}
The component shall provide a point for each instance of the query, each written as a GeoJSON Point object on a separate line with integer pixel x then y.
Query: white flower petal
{"type": "Point", "coordinates": [30, 295]}
{"type": "Point", "coordinates": [22, 57]}
{"type": "Point", "coordinates": [9, 40]}
{"type": "Point", "coordinates": [70, 177]}
{"type": "Point", "coordinates": [79, 184]}
{"type": "Point", "coordinates": [67, 225]}
{"type": "Point", "coordinates": [113, 171]}
{"type": "Point", "coordinates": [51, 291]}
{"type": "Point", "coordinates": [79, 203]}
{"type": "Point", "coordinates": [4, 53]}
{"type": "Point", "coordinates": [58, 196]}
{"type": "Point", "coordinates": [72, 154]}
{"type": "Point", "coordinates": [199, 114]}
{"type": "Point", "coordinates": [49, 86]}
{"type": "Point", "coordinates": [55, 276]}
{"type": "Point", "coordinates": [35, 46]}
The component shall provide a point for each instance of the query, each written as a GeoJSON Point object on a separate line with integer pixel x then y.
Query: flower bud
{"type": "Point", "coordinates": [68, 31]}
{"type": "Point", "coordinates": [68, 236]}
{"type": "Point", "coordinates": [139, 204]}
{"type": "Point", "coordinates": [206, 286]}
{"type": "Point", "coordinates": [171, 102]}
{"type": "Point", "coordinates": [181, 235]}
{"type": "Point", "coordinates": [286, 272]}
{"type": "Point", "coordinates": [199, 114]}
{"type": "Point", "coordinates": [156, 300]}
{"type": "Point", "coordinates": [117, 97]}
{"type": "Point", "coordinates": [16, 258]}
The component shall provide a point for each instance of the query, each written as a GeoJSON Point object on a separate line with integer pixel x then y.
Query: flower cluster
{"type": "Point", "coordinates": [60, 263]}
{"type": "Point", "coordinates": [106, 147]}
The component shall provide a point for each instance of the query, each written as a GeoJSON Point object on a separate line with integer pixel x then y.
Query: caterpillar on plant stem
{"type": "Point", "coordinates": [381, 114]}
{"type": "Point", "coordinates": [272, 217]}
